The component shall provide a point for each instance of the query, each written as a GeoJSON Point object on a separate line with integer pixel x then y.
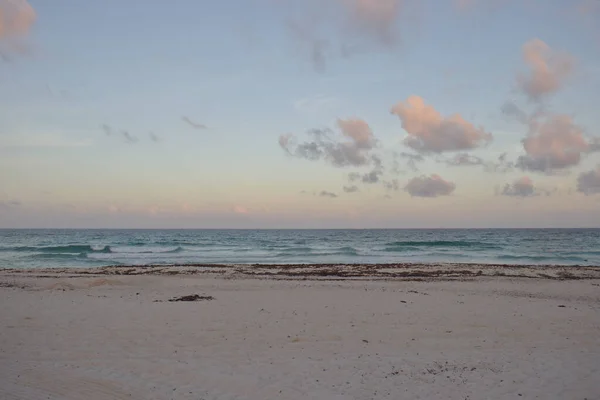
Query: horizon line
{"type": "Point", "coordinates": [299, 229]}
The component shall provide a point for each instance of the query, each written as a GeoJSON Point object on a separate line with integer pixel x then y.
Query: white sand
{"type": "Point", "coordinates": [104, 337]}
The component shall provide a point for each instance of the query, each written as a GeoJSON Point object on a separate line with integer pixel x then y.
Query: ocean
{"type": "Point", "coordinates": [92, 248]}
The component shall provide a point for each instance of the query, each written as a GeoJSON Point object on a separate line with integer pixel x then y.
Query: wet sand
{"type": "Point", "coordinates": [297, 332]}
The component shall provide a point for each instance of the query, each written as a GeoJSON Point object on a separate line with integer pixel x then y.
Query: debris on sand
{"type": "Point", "coordinates": [192, 297]}
{"type": "Point", "coordinates": [13, 285]}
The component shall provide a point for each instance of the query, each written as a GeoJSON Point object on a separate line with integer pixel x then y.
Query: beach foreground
{"type": "Point", "coordinates": [305, 332]}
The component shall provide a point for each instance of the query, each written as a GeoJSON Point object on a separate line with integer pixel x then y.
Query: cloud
{"type": "Point", "coordinates": [237, 209]}
{"type": "Point", "coordinates": [510, 109]}
{"type": "Point", "coordinates": [375, 18]}
{"type": "Point", "coordinates": [371, 177]}
{"type": "Point", "coordinates": [412, 160]}
{"type": "Point", "coordinates": [109, 131]}
{"type": "Point", "coordinates": [429, 186]}
{"type": "Point", "coordinates": [588, 183]}
{"type": "Point", "coordinates": [351, 189]}
{"type": "Point", "coordinates": [501, 165]}
{"type": "Point", "coordinates": [193, 124]}
{"type": "Point", "coordinates": [594, 145]}
{"type": "Point", "coordinates": [129, 138]}
{"type": "Point", "coordinates": [317, 48]}
{"type": "Point", "coordinates": [338, 152]}
{"type": "Point", "coordinates": [8, 204]}
{"type": "Point", "coordinates": [16, 19]}
{"type": "Point", "coordinates": [357, 130]}
{"type": "Point", "coordinates": [325, 193]}
{"type": "Point", "coordinates": [374, 176]}
{"type": "Point", "coordinates": [392, 185]}
{"type": "Point", "coordinates": [548, 70]}
{"type": "Point", "coordinates": [522, 187]}
{"type": "Point", "coordinates": [554, 141]}
{"type": "Point", "coordinates": [464, 159]}
{"type": "Point", "coordinates": [429, 132]}
{"type": "Point", "coordinates": [153, 137]}
{"type": "Point", "coordinates": [553, 144]}
{"type": "Point", "coordinates": [327, 28]}
{"type": "Point", "coordinates": [353, 176]}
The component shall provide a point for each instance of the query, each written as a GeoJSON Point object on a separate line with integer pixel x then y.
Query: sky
{"type": "Point", "coordinates": [299, 113]}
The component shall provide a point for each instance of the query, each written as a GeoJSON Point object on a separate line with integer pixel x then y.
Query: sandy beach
{"type": "Point", "coordinates": [275, 332]}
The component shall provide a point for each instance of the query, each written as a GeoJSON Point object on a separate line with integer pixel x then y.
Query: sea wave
{"type": "Point", "coordinates": [401, 249]}
{"type": "Point", "coordinates": [179, 249]}
{"type": "Point", "coordinates": [178, 243]}
{"type": "Point", "coordinates": [128, 250]}
{"type": "Point", "coordinates": [69, 249]}
{"type": "Point", "coordinates": [441, 243]}
{"type": "Point", "coordinates": [59, 256]}
{"type": "Point", "coordinates": [296, 250]}
{"type": "Point", "coordinates": [312, 252]}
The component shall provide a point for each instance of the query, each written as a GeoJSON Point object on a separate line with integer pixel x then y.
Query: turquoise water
{"type": "Point", "coordinates": [88, 248]}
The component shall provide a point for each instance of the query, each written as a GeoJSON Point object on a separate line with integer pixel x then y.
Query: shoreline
{"type": "Point", "coordinates": [398, 271]}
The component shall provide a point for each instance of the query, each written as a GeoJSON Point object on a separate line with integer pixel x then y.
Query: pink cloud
{"type": "Point", "coordinates": [341, 153]}
{"type": "Point", "coordinates": [548, 70]}
{"type": "Point", "coordinates": [240, 209]}
{"type": "Point", "coordinates": [327, 28]}
{"type": "Point", "coordinates": [16, 18]}
{"type": "Point", "coordinates": [375, 18]}
{"type": "Point", "coordinates": [357, 130]}
{"type": "Point", "coordinates": [555, 143]}
{"type": "Point", "coordinates": [430, 132]}
{"type": "Point", "coordinates": [429, 186]}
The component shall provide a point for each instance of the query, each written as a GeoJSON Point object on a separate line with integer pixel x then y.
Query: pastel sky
{"type": "Point", "coordinates": [299, 113]}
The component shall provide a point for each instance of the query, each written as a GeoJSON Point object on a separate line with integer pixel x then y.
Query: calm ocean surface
{"type": "Point", "coordinates": [88, 248]}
